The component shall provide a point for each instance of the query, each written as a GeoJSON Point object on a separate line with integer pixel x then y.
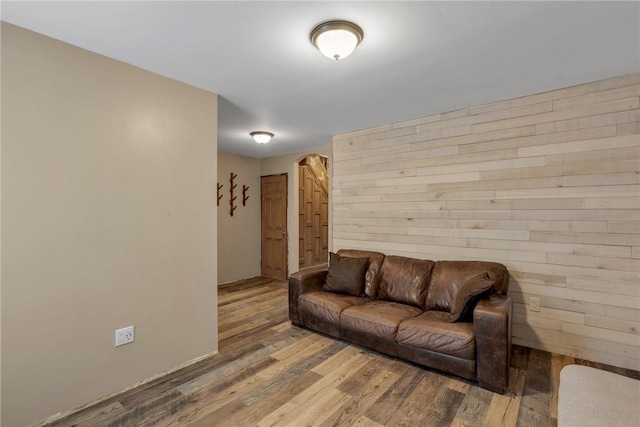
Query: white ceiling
{"type": "Point", "coordinates": [416, 59]}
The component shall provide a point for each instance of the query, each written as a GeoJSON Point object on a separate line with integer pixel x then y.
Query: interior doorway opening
{"type": "Point", "coordinates": [313, 211]}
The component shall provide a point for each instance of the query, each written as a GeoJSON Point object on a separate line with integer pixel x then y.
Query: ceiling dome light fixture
{"type": "Point", "coordinates": [261, 137]}
{"type": "Point", "coordinates": [336, 39]}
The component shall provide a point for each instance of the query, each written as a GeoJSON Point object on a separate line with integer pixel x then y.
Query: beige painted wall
{"type": "Point", "coordinates": [0, 226]}
{"type": "Point", "coordinates": [108, 220]}
{"type": "Point", "coordinates": [289, 164]}
{"type": "Point", "coordinates": [239, 235]}
{"type": "Point", "coordinates": [547, 184]}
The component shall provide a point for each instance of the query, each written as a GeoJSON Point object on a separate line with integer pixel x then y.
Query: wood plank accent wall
{"type": "Point", "coordinates": [548, 184]}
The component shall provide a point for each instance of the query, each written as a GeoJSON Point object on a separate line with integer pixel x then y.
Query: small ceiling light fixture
{"type": "Point", "coordinates": [261, 137]}
{"type": "Point", "coordinates": [336, 39]}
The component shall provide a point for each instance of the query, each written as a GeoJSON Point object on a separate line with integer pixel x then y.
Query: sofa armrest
{"type": "Point", "coordinates": [492, 324]}
{"type": "Point", "coordinates": [307, 280]}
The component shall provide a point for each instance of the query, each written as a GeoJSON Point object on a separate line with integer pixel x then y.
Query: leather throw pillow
{"type": "Point", "coordinates": [346, 275]}
{"type": "Point", "coordinates": [474, 289]}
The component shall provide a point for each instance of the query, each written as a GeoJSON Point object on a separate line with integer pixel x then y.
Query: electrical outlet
{"type": "Point", "coordinates": [534, 304]}
{"type": "Point", "coordinates": [124, 336]}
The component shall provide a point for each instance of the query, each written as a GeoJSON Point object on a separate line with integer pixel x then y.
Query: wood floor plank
{"type": "Point", "coordinates": [366, 422]}
{"type": "Point", "coordinates": [222, 384]}
{"type": "Point", "coordinates": [444, 408]}
{"type": "Point", "coordinates": [315, 412]}
{"type": "Point", "coordinates": [389, 402]}
{"type": "Point", "coordinates": [243, 328]}
{"type": "Point", "coordinates": [299, 346]}
{"type": "Point", "coordinates": [459, 422]}
{"type": "Point", "coordinates": [249, 298]}
{"type": "Point", "coordinates": [249, 335]}
{"type": "Point", "coordinates": [219, 416]}
{"type": "Point", "coordinates": [458, 384]}
{"type": "Point", "coordinates": [338, 360]}
{"type": "Point", "coordinates": [413, 407]}
{"type": "Point", "coordinates": [365, 378]}
{"type": "Point", "coordinates": [265, 337]}
{"type": "Point", "coordinates": [231, 367]}
{"type": "Point", "coordinates": [259, 409]}
{"type": "Point", "coordinates": [245, 305]}
{"type": "Point", "coordinates": [279, 415]}
{"type": "Point", "coordinates": [95, 418]}
{"type": "Point", "coordinates": [534, 410]}
{"type": "Point", "coordinates": [207, 400]}
{"type": "Point", "coordinates": [334, 378]}
{"type": "Point", "coordinates": [315, 353]}
{"type": "Point", "coordinates": [153, 411]}
{"type": "Point", "coordinates": [298, 368]}
{"type": "Point", "coordinates": [284, 326]}
{"type": "Point", "coordinates": [364, 387]}
{"type": "Point", "coordinates": [503, 409]}
{"type": "Point", "coordinates": [474, 407]}
{"type": "Point", "coordinates": [268, 372]}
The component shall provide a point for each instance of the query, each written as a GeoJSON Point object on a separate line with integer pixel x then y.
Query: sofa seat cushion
{"type": "Point", "coordinates": [326, 305]}
{"type": "Point", "coordinates": [378, 318]}
{"type": "Point", "coordinates": [433, 331]}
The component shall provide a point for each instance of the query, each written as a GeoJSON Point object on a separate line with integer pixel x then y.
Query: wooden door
{"type": "Point", "coordinates": [313, 220]}
{"type": "Point", "coordinates": [274, 226]}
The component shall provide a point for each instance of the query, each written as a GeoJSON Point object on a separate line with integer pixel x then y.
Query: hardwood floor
{"type": "Point", "coordinates": [270, 373]}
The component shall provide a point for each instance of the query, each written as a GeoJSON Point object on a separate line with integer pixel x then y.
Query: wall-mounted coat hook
{"type": "Point", "coordinates": [232, 198]}
{"type": "Point", "coordinates": [219, 195]}
{"type": "Point", "coordinates": [245, 188]}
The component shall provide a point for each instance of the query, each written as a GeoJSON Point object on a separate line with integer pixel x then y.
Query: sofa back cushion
{"type": "Point", "coordinates": [372, 276]}
{"type": "Point", "coordinates": [346, 275]}
{"type": "Point", "coordinates": [450, 277]}
{"type": "Point", "coordinates": [404, 280]}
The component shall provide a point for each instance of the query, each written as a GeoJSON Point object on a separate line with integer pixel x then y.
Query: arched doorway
{"type": "Point", "coordinates": [313, 210]}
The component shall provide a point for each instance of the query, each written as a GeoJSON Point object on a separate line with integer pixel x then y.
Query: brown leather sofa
{"type": "Point", "coordinates": [453, 316]}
